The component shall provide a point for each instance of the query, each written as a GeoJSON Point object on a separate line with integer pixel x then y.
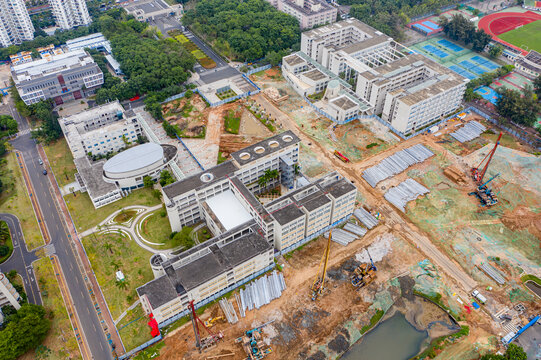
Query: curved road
{"type": "Point", "coordinates": [21, 259]}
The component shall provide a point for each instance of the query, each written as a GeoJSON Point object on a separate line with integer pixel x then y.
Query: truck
{"type": "Point", "coordinates": [339, 155]}
{"type": "Point", "coordinates": [476, 294]}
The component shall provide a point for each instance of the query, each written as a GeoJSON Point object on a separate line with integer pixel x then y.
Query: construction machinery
{"type": "Point", "coordinates": [318, 287]}
{"type": "Point", "coordinates": [486, 196]}
{"type": "Point", "coordinates": [339, 155]}
{"type": "Point", "coordinates": [203, 343]}
{"type": "Point", "coordinates": [210, 322]}
{"type": "Point", "coordinates": [253, 345]}
{"type": "Point", "coordinates": [478, 173]}
{"type": "Point", "coordinates": [364, 274]}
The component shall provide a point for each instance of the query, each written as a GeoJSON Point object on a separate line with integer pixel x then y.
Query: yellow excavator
{"type": "Point", "coordinates": [209, 323]}
{"type": "Point", "coordinates": [318, 287]}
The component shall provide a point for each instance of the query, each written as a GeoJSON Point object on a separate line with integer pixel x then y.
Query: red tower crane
{"type": "Point", "coordinates": [477, 173]}
{"type": "Point", "coordinates": [210, 340]}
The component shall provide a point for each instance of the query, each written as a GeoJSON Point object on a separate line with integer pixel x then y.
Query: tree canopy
{"type": "Point", "coordinates": [513, 352]}
{"type": "Point", "coordinates": [8, 126]}
{"type": "Point", "coordinates": [519, 108]}
{"type": "Point", "coordinates": [25, 330]}
{"type": "Point", "coordinates": [461, 29]}
{"type": "Point", "coordinates": [250, 28]}
{"type": "Point", "coordinates": [537, 86]}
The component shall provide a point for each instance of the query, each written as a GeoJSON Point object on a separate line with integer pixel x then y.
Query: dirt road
{"type": "Point", "coordinates": [397, 221]}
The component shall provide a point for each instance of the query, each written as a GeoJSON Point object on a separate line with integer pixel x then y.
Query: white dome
{"type": "Point", "coordinates": [133, 159]}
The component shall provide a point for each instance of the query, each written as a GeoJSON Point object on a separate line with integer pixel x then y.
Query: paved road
{"type": "Point", "coordinates": [206, 49]}
{"type": "Point", "coordinates": [91, 328]}
{"type": "Point", "coordinates": [21, 259]}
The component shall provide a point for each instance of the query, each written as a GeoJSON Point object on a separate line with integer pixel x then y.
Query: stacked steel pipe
{"type": "Point", "coordinates": [406, 191]}
{"type": "Point", "coordinates": [468, 132]}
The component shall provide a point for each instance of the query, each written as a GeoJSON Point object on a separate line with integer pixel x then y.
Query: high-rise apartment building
{"type": "Point", "coordinates": [15, 23]}
{"type": "Point", "coordinates": [70, 13]}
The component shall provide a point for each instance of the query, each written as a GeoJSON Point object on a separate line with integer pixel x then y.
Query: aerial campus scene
{"type": "Point", "coordinates": [280, 179]}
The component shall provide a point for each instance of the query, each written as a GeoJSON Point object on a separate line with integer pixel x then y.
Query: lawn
{"type": "Point", "coordinates": [226, 94]}
{"type": "Point", "coordinates": [61, 161]}
{"type": "Point", "coordinates": [156, 228]}
{"type": "Point", "coordinates": [5, 239]}
{"type": "Point", "coordinates": [527, 37]}
{"type": "Point", "coordinates": [134, 329]}
{"type": "Point", "coordinates": [125, 216]}
{"type": "Point", "coordinates": [14, 200]}
{"type": "Point", "coordinates": [232, 122]}
{"type": "Point", "coordinates": [111, 252]}
{"type": "Point", "coordinates": [85, 216]}
{"type": "Point", "coordinates": [60, 340]}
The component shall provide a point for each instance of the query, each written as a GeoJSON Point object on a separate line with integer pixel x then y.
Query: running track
{"type": "Point", "coordinates": [499, 23]}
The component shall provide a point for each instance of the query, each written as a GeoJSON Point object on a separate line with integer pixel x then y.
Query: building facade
{"type": "Point", "coordinates": [63, 77]}
{"type": "Point", "coordinates": [15, 23]}
{"type": "Point", "coordinates": [310, 13]}
{"type": "Point", "coordinates": [247, 232]}
{"type": "Point", "coordinates": [529, 65]}
{"type": "Point", "coordinates": [70, 13]}
{"type": "Point", "coordinates": [8, 294]}
{"type": "Point", "coordinates": [370, 73]}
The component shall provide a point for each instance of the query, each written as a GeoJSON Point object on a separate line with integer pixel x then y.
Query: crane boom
{"type": "Point", "coordinates": [319, 282]}
{"type": "Point", "coordinates": [478, 176]}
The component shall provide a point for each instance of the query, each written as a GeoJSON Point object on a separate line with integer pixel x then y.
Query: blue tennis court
{"type": "Point", "coordinates": [488, 94]}
{"type": "Point", "coordinates": [430, 24]}
{"type": "Point", "coordinates": [472, 67]}
{"type": "Point", "coordinates": [422, 28]}
{"type": "Point", "coordinates": [434, 50]}
{"type": "Point", "coordinates": [449, 45]}
{"type": "Point", "coordinates": [463, 72]}
{"type": "Point", "coordinates": [485, 63]}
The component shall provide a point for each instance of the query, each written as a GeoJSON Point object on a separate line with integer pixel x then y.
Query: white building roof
{"type": "Point", "coordinates": [90, 41]}
{"type": "Point", "coordinates": [228, 209]}
{"type": "Point", "coordinates": [55, 64]}
{"type": "Point", "coordinates": [134, 158]}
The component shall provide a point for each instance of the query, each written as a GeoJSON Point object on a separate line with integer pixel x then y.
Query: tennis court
{"type": "Point", "coordinates": [430, 25]}
{"type": "Point", "coordinates": [457, 58]}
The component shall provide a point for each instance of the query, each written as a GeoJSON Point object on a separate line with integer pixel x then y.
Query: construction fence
{"type": "Point", "coordinates": [258, 69]}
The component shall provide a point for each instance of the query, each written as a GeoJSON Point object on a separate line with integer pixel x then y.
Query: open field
{"type": "Point", "coordinates": [111, 252]}
{"type": "Point", "coordinates": [60, 343]}
{"type": "Point", "coordinates": [133, 328]}
{"type": "Point", "coordinates": [61, 161]}
{"type": "Point", "coordinates": [85, 216]}
{"type": "Point", "coordinates": [156, 229]}
{"type": "Point", "coordinates": [14, 199]}
{"type": "Point", "coordinates": [527, 37]}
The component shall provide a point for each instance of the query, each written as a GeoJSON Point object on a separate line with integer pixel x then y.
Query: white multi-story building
{"type": "Point", "coordinates": [310, 13]}
{"type": "Point", "coordinates": [70, 13]}
{"type": "Point", "coordinates": [8, 294]}
{"type": "Point", "coordinates": [63, 77]}
{"type": "Point", "coordinates": [370, 73]}
{"type": "Point", "coordinates": [103, 129]}
{"type": "Point", "coordinates": [15, 23]}
{"type": "Point", "coordinates": [245, 230]}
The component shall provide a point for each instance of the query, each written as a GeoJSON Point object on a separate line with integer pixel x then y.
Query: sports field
{"type": "Point", "coordinates": [527, 37]}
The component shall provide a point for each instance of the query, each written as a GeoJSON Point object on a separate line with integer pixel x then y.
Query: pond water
{"type": "Point", "coordinates": [393, 339]}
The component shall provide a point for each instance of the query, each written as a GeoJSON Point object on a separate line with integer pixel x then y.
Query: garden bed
{"type": "Point", "coordinates": [193, 49]}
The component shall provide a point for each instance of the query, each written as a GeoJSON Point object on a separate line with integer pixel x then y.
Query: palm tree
{"type": "Point", "coordinates": [115, 264]}
{"type": "Point", "coordinates": [108, 246]}
{"type": "Point", "coordinates": [121, 284]}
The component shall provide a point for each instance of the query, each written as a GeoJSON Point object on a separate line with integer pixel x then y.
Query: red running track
{"type": "Point", "coordinates": [499, 23]}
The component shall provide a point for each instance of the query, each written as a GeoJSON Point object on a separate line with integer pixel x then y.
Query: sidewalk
{"type": "Point", "coordinates": [95, 291]}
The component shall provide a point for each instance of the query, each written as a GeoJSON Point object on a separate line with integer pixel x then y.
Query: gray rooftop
{"type": "Point", "coordinates": [307, 8]}
{"type": "Point", "coordinates": [220, 259]}
{"type": "Point", "coordinates": [265, 147]}
{"type": "Point", "coordinates": [339, 188]}
{"type": "Point", "coordinates": [343, 102]}
{"type": "Point", "coordinates": [315, 75]}
{"type": "Point", "coordinates": [287, 214]}
{"type": "Point", "coordinates": [196, 181]}
{"type": "Point", "coordinates": [92, 177]}
{"type": "Point", "coordinates": [293, 60]}
{"type": "Point", "coordinates": [338, 26]}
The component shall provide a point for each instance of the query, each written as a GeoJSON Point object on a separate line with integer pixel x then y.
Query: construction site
{"type": "Point", "coordinates": [446, 224]}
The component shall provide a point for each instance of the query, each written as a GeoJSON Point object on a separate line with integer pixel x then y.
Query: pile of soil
{"type": "Point", "coordinates": [522, 218]}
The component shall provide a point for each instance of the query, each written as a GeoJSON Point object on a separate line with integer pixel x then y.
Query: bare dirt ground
{"type": "Point", "coordinates": [189, 114]}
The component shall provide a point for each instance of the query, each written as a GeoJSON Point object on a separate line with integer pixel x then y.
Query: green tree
{"type": "Point", "coordinates": [513, 352]}
{"type": "Point", "coordinates": [147, 181]}
{"type": "Point", "coordinates": [537, 87]}
{"type": "Point", "coordinates": [470, 95]}
{"type": "Point", "coordinates": [4, 250]}
{"type": "Point", "coordinates": [519, 108]}
{"type": "Point", "coordinates": [495, 51]}
{"type": "Point", "coordinates": [26, 329]}
{"type": "Point", "coordinates": [166, 178]}
{"type": "Point", "coordinates": [183, 238]}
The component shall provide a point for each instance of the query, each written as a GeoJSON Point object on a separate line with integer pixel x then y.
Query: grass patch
{"type": "Point", "coordinates": [440, 342]}
{"type": "Point", "coordinates": [125, 216]}
{"type": "Point", "coordinates": [232, 122]}
{"type": "Point", "coordinates": [156, 229]}
{"type": "Point", "coordinates": [530, 277]}
{"type": "Point", "coordinates": [111, 252]}
{"type": "Point", "coordinates": [373, 321]}
{"type": "Point", "coordinates": [371, 145]}
{"type": "Point", "coordinates": [226, 94]}
{"type": "Point", "coordinates": [14, 200]}
{"type": "Point", "coordinates": [60, 342]}
{"type": "Point", "coordinates": [204, 234]}
{"type": "Point", "coordinates": [5, 239]}
{"type": "Point", "coordinates": [61, 161]}
{"type": "Point", "coordinates": [86, 217]}
{"type": "Point", "coordinates": [133, 328]}
{"type": "Point", "coordinates": [527, 37]}
{"type": "Point", "coordinates": [150, 352]}
{"type": "Point", "coordinates": [221, 158]}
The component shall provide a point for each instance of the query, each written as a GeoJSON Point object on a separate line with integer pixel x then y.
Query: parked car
{"type": "Point", "coordinates": [40, 162]}
{"type": "Point", "coordinates": [44, 172]}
